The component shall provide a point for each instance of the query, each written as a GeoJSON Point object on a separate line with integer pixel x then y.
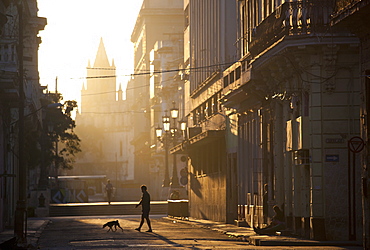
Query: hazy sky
{"type": "Point", "coordinates": [72, 36]}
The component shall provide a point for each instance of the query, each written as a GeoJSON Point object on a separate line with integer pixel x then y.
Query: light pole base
{"type": "Point", "coordinates": [182, 192]}
{"type": "Point", "coordinates": [20, 223]}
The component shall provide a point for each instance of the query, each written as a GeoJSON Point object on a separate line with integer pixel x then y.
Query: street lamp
{"type": "Point", "coordinates": [174, 116]}
{"type": "Point", "coordinates": [183, 127]}
{"type": "Point", "coordinates": [171, 135]}
{"type": "Point", "coordinates": [164, 139]}
{"type": "Point", "coordinates": [166, 122]}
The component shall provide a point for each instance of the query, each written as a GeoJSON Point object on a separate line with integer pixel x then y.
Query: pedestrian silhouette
{"type": "Point", "coordinates": [145, 208]}
{"type": "Point", "coordinates": [109, 190]}
{"type": "Point", "coordinates": [277, 223]}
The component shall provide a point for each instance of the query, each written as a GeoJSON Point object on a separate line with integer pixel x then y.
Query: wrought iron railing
{"type": "Point", "coordinates": [340, 5]}
{"type": "Point", "coordinates": [292, 19]}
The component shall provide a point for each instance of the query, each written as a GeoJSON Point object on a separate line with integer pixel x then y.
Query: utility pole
{"type": "Point", "coordinates": [20, 221]}
{"type": "Point", "coordinates": [366, 169]}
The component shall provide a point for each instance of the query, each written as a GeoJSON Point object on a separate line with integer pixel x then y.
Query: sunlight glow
{"type": "Point", "coordinates": [72, 36]}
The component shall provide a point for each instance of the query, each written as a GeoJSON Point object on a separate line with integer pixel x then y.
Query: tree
{"type": "Point", "coordinates": [61, 143]}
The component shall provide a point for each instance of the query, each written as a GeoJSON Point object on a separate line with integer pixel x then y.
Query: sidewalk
{"type": "Point", "coordinates": [34, 229]}
{"type": "Point", "coordinates": [248, 235]}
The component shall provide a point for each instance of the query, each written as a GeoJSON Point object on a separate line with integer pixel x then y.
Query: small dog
{"type": "Point", "coordinates": [112, 224]}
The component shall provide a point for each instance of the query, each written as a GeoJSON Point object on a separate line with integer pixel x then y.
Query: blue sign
{"type": "Point", "coordinates": [332, 158]}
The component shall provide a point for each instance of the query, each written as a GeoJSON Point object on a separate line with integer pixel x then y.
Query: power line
{"type": "Point", "coordinates": [171, 70]}
{"type": "Point", "coordinates": [122, 112]}
{"type": "Point", "coordinates": [128, 88]}
{"type": "Point", "coordinates": [100, 93]}
{"type": "Point", "coordinates": [147, 72]}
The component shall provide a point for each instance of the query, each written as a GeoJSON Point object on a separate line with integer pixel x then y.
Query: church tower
{"type": "Point", "coordinates": [102, 125]}
{"type": "Point", "coordinates": [100, 88]}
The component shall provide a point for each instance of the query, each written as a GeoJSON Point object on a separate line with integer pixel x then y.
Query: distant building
{"type": "Point", "coordinates": [102, 124]}
{"type": "Point", "coordinates": [166, 92]}
{"type": "Point", "coordinates": [158, 31]}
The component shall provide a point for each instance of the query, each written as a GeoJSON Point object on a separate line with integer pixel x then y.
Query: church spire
{"type": "Point", "coordinates": [101, 59]}
{"type": "Point", "coordinates": [120, 93]}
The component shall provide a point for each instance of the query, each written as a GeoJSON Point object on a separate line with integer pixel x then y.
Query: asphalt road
{"type": "Point", "coordinates": [87, 233]}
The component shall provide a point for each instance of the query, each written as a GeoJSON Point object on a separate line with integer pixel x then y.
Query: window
{"type": "Point", "coordinates": [186, 15]}
{"type": "Point", "coordinates": [226, 81]}
{"type": "Point", "coordinates": [232, 77]}
{"type": "Point", "coordinates": [237, 73]}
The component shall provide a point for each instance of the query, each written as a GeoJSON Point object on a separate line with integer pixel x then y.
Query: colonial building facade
{"type": "Point", "coordinates": [296, 93]}
{"type": "Point", "coordinates": [12, 76]}
{"type": "Point", "coordinates": [273, 108]}
{"type": "Point", "coordinates": [354, 17]}
{"type": "Point", "coordinates": [209, 38]}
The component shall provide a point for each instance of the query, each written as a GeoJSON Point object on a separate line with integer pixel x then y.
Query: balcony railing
{"type": "Point", "coordinates": [340, 5]}
{"type": "Point", "coordinates": [355, 8]}
{"type": "Point", "coordinates": [292, 19]}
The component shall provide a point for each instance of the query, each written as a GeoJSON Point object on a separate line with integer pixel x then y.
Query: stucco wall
{"type": "Point", "coordinates": [208, 197]}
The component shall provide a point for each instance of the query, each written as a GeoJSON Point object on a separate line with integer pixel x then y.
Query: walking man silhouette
{"type": "Point", "coordinates": [145, 207]}
{"type": "Point", "coordinates": [109, 190]}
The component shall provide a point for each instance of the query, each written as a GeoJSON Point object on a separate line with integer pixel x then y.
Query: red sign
{"type": "Point", "coordinates": [356, 144]}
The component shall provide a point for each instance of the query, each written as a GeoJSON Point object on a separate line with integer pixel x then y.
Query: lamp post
{"type": "Point", "coordinates": [174, 116]}
{"type": "Point", "coordinates": [164, 138]}
{"type": "Point", "coordinates": [171, 135]}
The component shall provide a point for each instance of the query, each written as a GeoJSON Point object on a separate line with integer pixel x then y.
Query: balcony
{"type": "Point", "coordinates": [352, 13]}
{"type": "Point", "coordinates": [291, 19]}
{"type": "Point", "coordinates": [341, 5]}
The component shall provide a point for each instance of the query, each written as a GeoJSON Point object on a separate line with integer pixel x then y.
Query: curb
{"type": "Point", "coordinates": [34, 230]}
{"type": "Point", "coordinates": [33, 238]}
{"type": "Point", "coordinates": [265, 240]}
{"type": "Point", "coordinates": [246, 234]}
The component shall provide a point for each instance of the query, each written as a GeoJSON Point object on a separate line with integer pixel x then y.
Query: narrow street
{"type": "Point", "coordinates": [87, 233]}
